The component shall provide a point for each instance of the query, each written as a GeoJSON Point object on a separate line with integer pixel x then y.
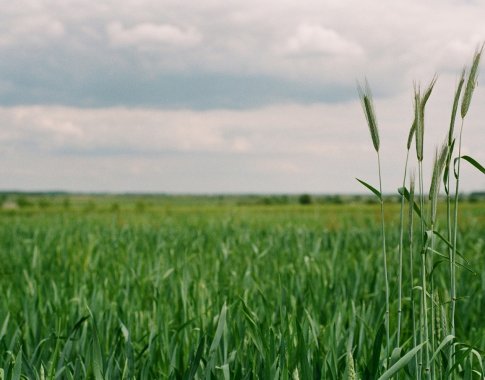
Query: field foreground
{"type": "Point", "coordinates": [212, 291]}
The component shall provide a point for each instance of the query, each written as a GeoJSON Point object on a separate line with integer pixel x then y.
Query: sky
{"type": "Point", "coordinates": [227, 96]}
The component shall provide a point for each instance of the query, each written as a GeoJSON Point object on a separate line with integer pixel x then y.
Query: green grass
{"type": "Point", "coordinates": [216, 291]}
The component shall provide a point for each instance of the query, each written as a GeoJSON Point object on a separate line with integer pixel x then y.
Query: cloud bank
{"type": "Point", "coordinates": [222, 96]}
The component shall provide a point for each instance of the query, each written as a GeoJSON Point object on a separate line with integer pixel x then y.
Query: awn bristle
{"type": "Point", "coordinates": [428, 91]}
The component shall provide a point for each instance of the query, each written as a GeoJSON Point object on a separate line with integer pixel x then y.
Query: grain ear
{"type": "Point", "coordinates": [471, 83]}
{"type": "Point", "coordinates": [419, 120]}
{"type": "Point", "coordinates": [368, 107]}
{"type": "Point", "coordinates": [412, 131]}
{"type": "Point", "coordinates": [456, 99]}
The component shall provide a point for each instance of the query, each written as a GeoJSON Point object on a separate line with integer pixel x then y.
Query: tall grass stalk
{"type": "Point", "coordinates": [401, 236]}
{"type": "Point", "coordinates": [419, 118]}
{"type": "Point", "coordinates": [384, 256]}
{"type": "Point", "coordinates": [438, 167]}
{"type": "Point", "coordinates": [411, 269]}
{"type": "Point", "coordinates": [368, 107]}
{"type": "Point", "coordinates": [447, 184]}
{"type": "Point", "coordinates": [419, 111]}
{"type": "Point", "coordinates": [465, 104]}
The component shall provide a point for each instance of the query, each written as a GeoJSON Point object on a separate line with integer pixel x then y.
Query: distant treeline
{"type": "Point", "coordinates": [142, 202]}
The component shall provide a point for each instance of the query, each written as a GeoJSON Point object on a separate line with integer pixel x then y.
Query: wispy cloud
{"type": "Point", "coordinates": [316, 39]}
{"type": "Point", "coordinates": [150, 35]}
{"type": "Point", "coordinates": [37, 30]}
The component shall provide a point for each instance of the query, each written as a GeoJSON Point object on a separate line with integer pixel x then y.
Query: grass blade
{"type": "Point", "coordinates": [17, 369]}
{"type": "Point", "coordinates": [371, 188]}
{"type": "Point", "coordinates": [373, 365]}
{"type": "Point", "coordinates": [473, 162]}
{"type": "Point", "coordinates": [194, 364]}
{"type": "Point", "coordinates": [219, 330]}
{"type": "Point", "coordinates": [405, 192]}
{"type": "Point", "coordinates": [444, 342]}
{"type": "Point", "coordinates": [401, 363]}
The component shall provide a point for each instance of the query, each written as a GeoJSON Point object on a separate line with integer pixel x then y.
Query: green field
{"type": "Point", "coordinates": [209, 289]}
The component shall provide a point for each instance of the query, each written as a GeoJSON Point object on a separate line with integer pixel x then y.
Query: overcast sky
{"type": "Point", "coordinates": [226, 95]}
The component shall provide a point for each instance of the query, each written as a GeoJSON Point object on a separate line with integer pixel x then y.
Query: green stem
{"type": "Point", "coordinates": [411, 270]}
{"type": "Point", "coordinates": [450, 249]}
{"type": "Point", "coordinates": [384, 257]}
{"type": "Point", "coordinates": [455, 234]}
{"type": "Point", "coordinates": [431, 281]}
{"type": "Point", "coordinates": [401, 238]}
{"type": "Point", "coordinates": [423, 277]}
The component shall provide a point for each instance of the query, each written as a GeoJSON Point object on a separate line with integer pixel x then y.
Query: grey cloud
{"type": "Point", "coordinates": [217, 54]}
{"type": "Point", "coordinates": [103, 88]}
{"type": "Point", "coordinates": [224, 96]}
{"type": "Point", "coordinates": [286, 147]}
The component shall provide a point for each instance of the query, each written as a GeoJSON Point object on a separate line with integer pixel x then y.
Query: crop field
{"type": "Point", "coordinates": [148, 289]}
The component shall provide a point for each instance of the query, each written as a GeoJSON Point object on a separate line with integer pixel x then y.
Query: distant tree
{"type": "Point", "coordinates": [305, 199]}
{"type": "Point", "coordinates": [370, 200]}
{"type": "Point", "coordinates": [90, 206]}
{"type": "Point", "coordinates": [43, 203]}
{"type": "Point", "coordinates": [66, 203]}
{"type": "Point", "coordinates": [23, 202]}
{"type": "Point", "coordinates": [140, 206]}
{"type": "Point", "coordinates": [335, 199]}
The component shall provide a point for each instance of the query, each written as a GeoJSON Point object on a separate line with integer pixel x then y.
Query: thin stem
{"type": "Point", "coordinates": [401, 235]}
{"type": "Point", "coordinates": [384, 256]}
{"type": "Point", "coordinates": [455, 234]}
{"type": "Point", "coordinates": [432, 298]}
{"type": "Point", "coordinates": [432, 219]}
{"type": "Point", "coordinates": [423, 276]}
{"type": "Point", "coordinates": [411, 269]}
{"type": "Point", "coordinates": [450, 249]}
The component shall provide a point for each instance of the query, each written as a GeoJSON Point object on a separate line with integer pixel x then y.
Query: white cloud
{"type": "Point", "coordinates": [322, 42]}
{"type": "Point", "coordinates": [151, 35]}
{"type": "Point", "coordinates": [315, 39]}
{"type": "Point", "coordinates": [32, 29]}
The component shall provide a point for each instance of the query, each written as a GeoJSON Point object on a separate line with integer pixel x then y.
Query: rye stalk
{"type": "Point", "coordinates": [465, 104]}
{"type": "Point", "coordinates": [368, 107]}
{"type": "Point", "coordinates": [438, 167]}
{"type": "Point", "coordinates": [419, 108]}
{"type": "Point", "coordinates": [401, 235]}
{"type": "Point", "coordinates": [411, 267]}
{"type": "Point", "coordinates": [447, 184]}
